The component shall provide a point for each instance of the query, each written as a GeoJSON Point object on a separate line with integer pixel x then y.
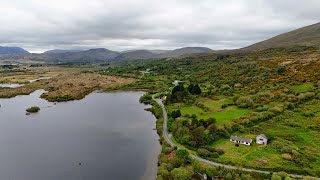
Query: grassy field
{"type": "Point", "coordinates": [212, 109]}
{"type": "Point", "coordinates": [296, 131]}
{"type": "Point", "coordinates": [302, 87]}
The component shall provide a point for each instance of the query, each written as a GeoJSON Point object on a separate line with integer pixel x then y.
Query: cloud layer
{"type": "Point", "coordinates": [39, 25]}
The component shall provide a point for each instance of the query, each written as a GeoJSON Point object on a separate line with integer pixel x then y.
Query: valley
{"type": "Point", "coordinates": [210, 97]}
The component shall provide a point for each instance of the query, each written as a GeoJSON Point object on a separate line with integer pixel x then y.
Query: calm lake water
{"type": "Point", "coordinates": [110, 134]}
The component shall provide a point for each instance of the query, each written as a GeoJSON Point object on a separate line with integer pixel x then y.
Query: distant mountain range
{"type": "Point", "coordinates": [105, 55]}
{"type": "Point", "coordinates": [306, 36]}
{"type": "Point", "coordinates": [58, 51]}
{"type": "Point", "coordinates": [12, 50]}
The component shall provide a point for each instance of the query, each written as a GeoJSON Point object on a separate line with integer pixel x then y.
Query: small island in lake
{"type": "Point", "coordinates": [33, 109]}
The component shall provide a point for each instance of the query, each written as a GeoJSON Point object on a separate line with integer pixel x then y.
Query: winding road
{"type": "Point", "coordinates": [167, 137]}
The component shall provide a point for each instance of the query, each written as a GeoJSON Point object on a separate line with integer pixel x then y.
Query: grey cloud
{"type": "Point", "coordinates": [126, 24]}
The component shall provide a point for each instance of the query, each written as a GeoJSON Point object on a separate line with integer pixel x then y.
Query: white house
{"type": "Point", "coordinates": [261, 139]}
{"type": "Point", "coordinates": [176, 82]}
{"type": "Point", "coordinates": [241, 140]}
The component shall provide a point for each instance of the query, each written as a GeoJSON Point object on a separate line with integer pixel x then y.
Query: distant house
{"type": "Point", "coordinates": [176, 82]}
{"type": "Point", "coordinates": [241, 140]}
{"type": "Point", "coordinates": [261, 139]}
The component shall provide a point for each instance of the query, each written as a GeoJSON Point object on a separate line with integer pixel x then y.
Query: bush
{"type": "Point", "coordinates": [181, 174]}
{"type": "Point", "coordinates": [203, 152]}
{"type": "Point", "coordinates": [33, 109]}
{"type": "Point", "coordinates": [146, 98]}
{"type": "Point", "coordinates": [183, 154]}
{"type": "Point", "coordinates": [245, 102]}
{"type": "Point", "coordinates": [194, 89]}
{"type": "Point", "coordinates": [306, 96]}
{"type": "Point", "coordinates": [276, 177]}
{"type": "Point", "coordinates": [308, 114]}
{"type": "Point", "coordinates": [176, 114]}
{"type": "Point", "coordinates": [229, 176]}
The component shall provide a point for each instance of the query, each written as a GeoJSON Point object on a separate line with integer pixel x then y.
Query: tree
{"type": "Point", "coordinates": [194, 89]}
{"type": "Point", "coordinates": [183, 154]}
{"type": "Point", "coordinates": [203, 152]}
{"type": "Point", "coordinates": [176, 162]}
{"type": "Point", "coordinates": [177, 89]}
{"type": "Point", "coordinates": [276, 177]}
{"type": "Point", "coordinates": [229, 176]}
{"type": "Point", "coordinates": [163, 172]}
{"type": "Point", "coordinates": [176, 114]}
{"type": "Point", "coordinates": [190, 88]}
{"type": "Point", "coordinates": [283, 175]}
{"type": "Point", "coordinates": [246, 177]}
{"type": "Point", "coordinates": [181, 173]}
{"type": "Point", "coordinates": [198, 136]}
{"type": "Point", "coordinates": [211, 121]}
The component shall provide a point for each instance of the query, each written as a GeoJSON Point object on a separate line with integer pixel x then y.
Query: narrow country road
{"type": "Point", "coordinates": [169, 141]}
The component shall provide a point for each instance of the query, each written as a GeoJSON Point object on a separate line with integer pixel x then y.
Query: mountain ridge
{"type": "Point", "coordinates": [6, 50]}
{"type": "Point", "coordinates": [304, 36]}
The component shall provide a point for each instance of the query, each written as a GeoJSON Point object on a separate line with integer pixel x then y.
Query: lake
{"type": "Point", "coordinates": [103, 136]}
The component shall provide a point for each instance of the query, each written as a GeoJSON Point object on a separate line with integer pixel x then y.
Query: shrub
{"type": "Point", "coordinates": [289, 105]}
{"type": "Point", "coordinates": [33, 109]}
{"type": "Point", "coordinates": [176, 114]}
{"type": "Point", "coordinates": [146, 98]}
{"type": "Point", "coordinates": [183, 154]}
{"type": "Point", "coordinates": [276, 177]}
{"type": "Point", "coordinates": [245, 102]}
{"type": "Point", "coordinates": [306, 96]}
{"type": "Point", "coordinates": [214, 155]}
{"type": "Point", "coordinates": [181, 174]}
{"type": "Point", "coordinates": [229, 176]}
{"type": "Point", "coordinates": [203, 152]}
{"type": "Point", "coordinates": [224, 106]}
{"type": "Point", "coordinates": [308, 114]}
{"type": "Point", "coordinates": [194, 89]}
{"type": "Point", "coordinates": [276, 110]}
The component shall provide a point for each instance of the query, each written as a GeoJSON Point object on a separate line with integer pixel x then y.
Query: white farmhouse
{"type": "Point", "coordinates": [241, 140]}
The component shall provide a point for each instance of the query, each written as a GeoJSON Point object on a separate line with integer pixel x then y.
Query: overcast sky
{"type": "Point", "coordinates": [39, 25]}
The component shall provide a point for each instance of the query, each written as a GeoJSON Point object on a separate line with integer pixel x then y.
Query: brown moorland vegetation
{"type": "Point", "coordinates": [66, 84]}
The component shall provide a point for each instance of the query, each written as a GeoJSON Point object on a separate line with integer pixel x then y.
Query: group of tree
{"type": "Point", "coordinates": [179, 92]}
{"type": "Point", "coordinates": [196, 133]}
{"type": "Point", "coordinates": [194, 89]}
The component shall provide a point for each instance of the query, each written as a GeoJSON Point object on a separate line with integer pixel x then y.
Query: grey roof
{"type": "Point", "coordinates": [262, 136]}
{"type": "Point", "coordinates": [241, 139]}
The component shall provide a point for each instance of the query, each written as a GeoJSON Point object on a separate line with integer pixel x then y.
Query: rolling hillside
{"type": "Point", "coordinates": [305, 36]}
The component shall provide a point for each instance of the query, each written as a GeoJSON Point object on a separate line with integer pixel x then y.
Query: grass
{"type": "Point", "coordinates": [302, 87]}
{"type": "Point", "coordinates": [224, 116]}
{"type": "Point", "coordinates": [214, 110]}
{"type": "Point", "coordinates": [292, 127]}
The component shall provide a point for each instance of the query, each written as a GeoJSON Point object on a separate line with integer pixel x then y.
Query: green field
{"type": "Point", "coordinates": [303, 87]}
{"type": "Point", "coordinates": [294, 147]}
{"type": "Point", "coordinates": [214, 110]}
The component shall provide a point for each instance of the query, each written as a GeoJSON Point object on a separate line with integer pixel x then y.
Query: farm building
{"type": "Point", "coordinates": [241, 140]}
{"type": "Point", "coordinates": [261, 139]}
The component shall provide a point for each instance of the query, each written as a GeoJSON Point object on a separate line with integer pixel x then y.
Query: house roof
{"type": "Point", "coordinates": [262, 136]}
{"type": "Point", "coordinates": [241, 139]}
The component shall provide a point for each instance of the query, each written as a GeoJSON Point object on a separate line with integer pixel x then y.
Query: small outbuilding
{"type": "Point", "coordinates": [261, 139]}
{"type": "Point", "coordinates": [241, 140]}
